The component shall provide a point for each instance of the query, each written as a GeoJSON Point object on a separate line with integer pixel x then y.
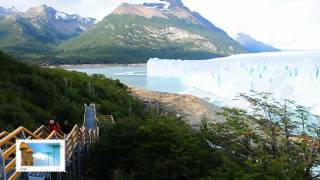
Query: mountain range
{"type": "Point", "coordinates": [131, 33]}
{"type": "Point", "coordinates": [34, 34]}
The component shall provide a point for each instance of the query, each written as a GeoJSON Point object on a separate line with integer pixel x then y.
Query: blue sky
{"type": "Point", "coordinates": [44, 154]}
{"type": "Point", "coordinates": [285, 24]}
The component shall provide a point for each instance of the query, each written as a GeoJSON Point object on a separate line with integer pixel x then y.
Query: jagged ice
{"type": "Point", "coordinates": [291, 75]}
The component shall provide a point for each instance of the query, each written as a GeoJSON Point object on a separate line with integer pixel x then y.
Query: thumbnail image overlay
{"type": "Point", "coordinates": [40, 155]}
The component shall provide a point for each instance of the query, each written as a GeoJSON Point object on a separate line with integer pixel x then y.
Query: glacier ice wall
{"type": "Point", "coordinates": [292, 75]}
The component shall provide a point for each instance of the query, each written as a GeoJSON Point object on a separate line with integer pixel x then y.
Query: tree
{"type": "Point", "coordinates": [272, 140]}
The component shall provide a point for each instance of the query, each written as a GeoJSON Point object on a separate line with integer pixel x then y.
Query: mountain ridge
{"type": "Point", "coordinates": [33, 34]}
{"type": "Point", "coordinates": [137, 32]}
{"type": "Point", "coordinates": [252, 45]}
{"type": "Point", "coordinates": [132, 33]}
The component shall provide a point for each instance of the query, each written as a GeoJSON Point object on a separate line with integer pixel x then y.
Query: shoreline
{"type": "Point", "coordinates": [188, 108]}
{"type": "Point", "coordinates": [85, 66]}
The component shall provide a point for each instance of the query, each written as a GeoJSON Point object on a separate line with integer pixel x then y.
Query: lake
{"type": "Point", "coordinates": [290, 75]}
{"type": "Point", "coordinates": [136, 76]}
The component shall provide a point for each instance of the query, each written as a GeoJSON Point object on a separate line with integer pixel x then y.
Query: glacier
{"type": "Point", "coordinates": [290, 75]}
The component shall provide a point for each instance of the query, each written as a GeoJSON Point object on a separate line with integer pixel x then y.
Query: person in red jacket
{"type": "Point", "coordinates": [54, 126]}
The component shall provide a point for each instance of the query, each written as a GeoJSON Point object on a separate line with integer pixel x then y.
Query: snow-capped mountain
{"type": "Point", "coordinates": [60, 21]}
{"type": "Point", "coordinates": [164, 28]}
{"type": "Point", "coordinates": [162, 9]}
{"type": "Point", "coordinates": [131, 33]}
{"type": "Point", "coordinates": [66, 17]}
{"type": "Point", "coordinates": [38, 30]}
{"type": "Point", "coordinates": [162, 5]}
{"type": "Point", "coordinates": [42, 156]}
{"type": "Point", "coordinates": [49, 12]}
{"type": "Point", "coordinates": [8, 12]}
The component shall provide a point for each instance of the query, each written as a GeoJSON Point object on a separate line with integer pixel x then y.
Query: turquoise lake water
{"type": "Point", "coordinates": [137, 77]}
{"type": "Point", "coordinates": [220, 81]}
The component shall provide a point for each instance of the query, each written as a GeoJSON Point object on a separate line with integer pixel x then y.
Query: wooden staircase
{"type": "Point", "coordinates": [78, 141]}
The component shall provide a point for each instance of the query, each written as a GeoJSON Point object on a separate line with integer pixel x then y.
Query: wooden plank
{"type": "Point", "coordinates": [54, 134]}
{"type": "Point", "coordinates": [10, 136]}
{"type": "Point", "coordinates": [70, 155]}
{"type": "Point", "coordinates": [51, 135]}
{"type": "Point", "coordinates": [10, 165]}
{"type": "Point", "coordinates": [14, 176]}
{"type": "Point", "coordinates": [30, 133]}
{"type": "Point", "coordinates": [40, 134]}
{"type": "Point", "coordinates": [73, 129]}
{"type": "Point", "coordinates": [70, 148]}
{"type": "Point", "coordinates": [60, 135]}
{"type": "Point", "coordinates": [39, 129]}
{"type": "Point", "coordinates": [77, 136]}
{"type": "Point", "coordinates": [9, 151]}
{"type": "Point", "coordinates": [3, 134]}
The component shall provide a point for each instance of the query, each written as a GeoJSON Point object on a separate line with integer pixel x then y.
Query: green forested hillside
{"type": "Point", "coordinates": [276, 140]}
{"type": "Point", "coordinates": [33, 35]}
{"type": "Point", "coordinates": [21, 39]}
{"type": "Point", "coordinates": [132, 39]}
{"type": "Point", "coordinates": [30, 95]}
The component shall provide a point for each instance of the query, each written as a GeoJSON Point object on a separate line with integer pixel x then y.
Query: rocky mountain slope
{"type": "Point", "coordinates": [36, 32]}
{"type": "Point", "coordinates": [137, 32]}
{"type": "Point", "coordinates": [133, 33]}
{"type": "Point", "coordinates": [7, 12]}
{"type": "Point", "coordinates": [65, 25]}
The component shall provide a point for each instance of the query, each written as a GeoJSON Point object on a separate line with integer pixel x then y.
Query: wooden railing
{"type": "Point", "coordinates": [79, 139]}
{"type": "Point", "coordinates": [8, 147]}
{"type": "Point", "coordinates": [105, 119]}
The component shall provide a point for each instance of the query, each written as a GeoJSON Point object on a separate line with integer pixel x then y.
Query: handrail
{"type": "Point", "coordinates": [3, 133]}
{"type": "Point", "coordinates": [55, 134]}
{"type": "Point", "coordinates": [73, 129]}
{"type": "Point", "coordinates": [11, 150]}
{"type": "Point", "coordinates": [41, 128]}
{"type": "Point", "coordinates": [15, 133]}
{"type": "Point", "coordinates": [79, 137]}
{"type": "Point", "coordinates": [84, 115]}
{"type": "Point", "coordinates": [106, 118]}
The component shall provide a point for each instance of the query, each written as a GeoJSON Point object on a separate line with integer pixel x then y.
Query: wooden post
{"type": "Point", "coordinates": [78, 162]}
{"type": "Point", "coordinates": [69, 169]}
{"type": "Point", "coordinates": [74, 168]}
{"type": "Point", "coordinates": [2, 166]}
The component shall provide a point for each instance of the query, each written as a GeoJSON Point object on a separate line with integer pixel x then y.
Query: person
{"type": "Point", "coordinates": [66, 128]}
{"type": "Point", "coordinates": [54, 126]}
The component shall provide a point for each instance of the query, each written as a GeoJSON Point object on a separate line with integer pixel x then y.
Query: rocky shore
{"type": "Point", "coordinates": [187, 107]}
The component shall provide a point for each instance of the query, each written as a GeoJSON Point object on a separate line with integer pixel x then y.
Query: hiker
{"type": "Point", "coordinates": [54, 126]}
{"type": "Point", "coordinates": [66, 128]}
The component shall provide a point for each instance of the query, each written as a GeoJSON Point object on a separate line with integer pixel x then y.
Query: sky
{"type": "Point", "coordinates": [285, 24]}
{"type": "Point", "coordinates": [45, 155]}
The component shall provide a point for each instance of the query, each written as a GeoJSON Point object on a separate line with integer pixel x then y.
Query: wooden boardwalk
{"type": "Point", "coordinates": [78, 142]}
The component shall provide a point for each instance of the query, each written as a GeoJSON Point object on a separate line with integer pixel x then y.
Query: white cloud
{"type": "Point", "coordinates": [287, 24]}
{"type": "Point", "coordinates": [42, 156]}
